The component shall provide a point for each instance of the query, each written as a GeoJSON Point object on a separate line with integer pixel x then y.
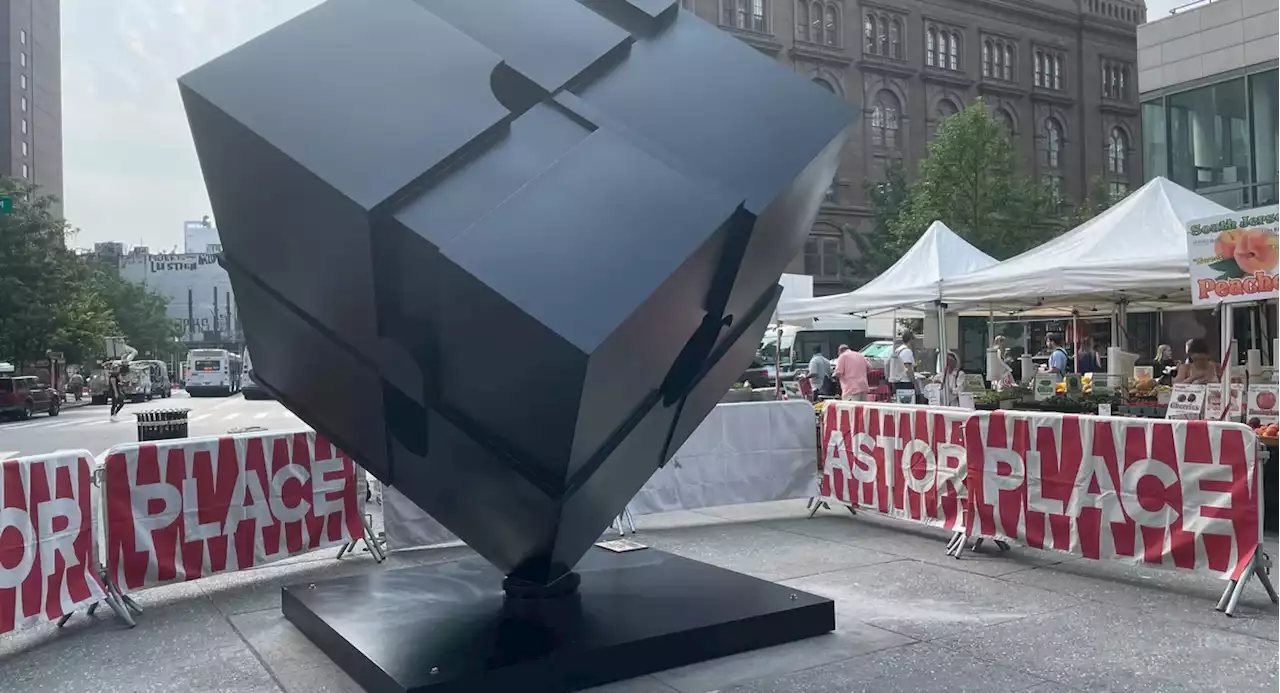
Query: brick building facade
{"type": "Point", "coordinates": [1060, 73]}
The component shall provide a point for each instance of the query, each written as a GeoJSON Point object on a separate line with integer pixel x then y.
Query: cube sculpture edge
{"type": "Point", "coordinates": [508, 255]}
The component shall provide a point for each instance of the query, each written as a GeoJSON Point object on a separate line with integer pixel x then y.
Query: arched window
{"type": "Point", "coordinates": [1006, 119]}
{"type": "Point", "coordinates": [1008, 62]}
{"type": "Point", "coordinates": [946, 109]}
{"type": "Point", "coordinates": [884, 121]}
{"type": "Point", "coordinates": [895, 39]}
{"type": "Point", "coordinates": [832, 27]}
{"type": "Point", "coordinates": [758, 16]}
{"type": "Point", "coordinates": [987, 64]}
{"type": "Point", "coordinates": [883, 33]}
{"type": "Point", "coordinates": [931, 47]}
{"type": "Point", "coordinates": [953, 54]}
{"type": "Point", "coordinates": [802, 21]}
{"type": "Point", "coordinates": [815, 21]}
{"type": "Point", "coordinates": [1040, 68]}
{"type": "Point", "coordinates": [1055, 72]}
{"type": "Point", "coordinates": [1052, 143]}
{"type": "Point", "coordinates": [869, 34]}
{"type": "Point", "coordinates": [1117, 152]}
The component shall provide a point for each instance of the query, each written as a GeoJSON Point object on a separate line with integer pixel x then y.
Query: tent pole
{"type": "Point", "coordinates": [1075, 333]}
{"type": "Point", "coordinates": [1226, 328]}
{"type": "Point", "coordinates": [777, 356]}
{"type": "Point", "coordinates": [945, 396]}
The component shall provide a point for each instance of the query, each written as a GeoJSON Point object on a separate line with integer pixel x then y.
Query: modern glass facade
{"type": "Point", "coordinates": [1219, 140]}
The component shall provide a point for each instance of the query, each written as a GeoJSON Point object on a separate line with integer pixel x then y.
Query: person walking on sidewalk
{"type": "Point", "coordinates": [115, 388]}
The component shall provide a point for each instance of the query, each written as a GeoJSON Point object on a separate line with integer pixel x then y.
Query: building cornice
{"type": "Point", "coordinates": [823, 54]}
{"type": "Point", "coordinates": [762, 42]}
{"type": "Point", "coordinates": [1062, 98]}
{"type": "Point", "coordinates": [887, 67]}
{"type": "Point", "coordinates": [1002, 88]}
{"type": "Point", "coordinates": [952, 78]}
{"type": "Point", "coordinates": [1117, 107]}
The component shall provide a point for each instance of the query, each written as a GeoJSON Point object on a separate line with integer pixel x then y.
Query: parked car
{"type": "Point", "coordinates": [878, 353]}
{"type": "Point", "coordinates": [25, 396]}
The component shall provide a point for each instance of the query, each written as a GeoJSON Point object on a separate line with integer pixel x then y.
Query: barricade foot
{"type": "Point", "coordinates": [66, 617]}
{"type": "Point", "coordinates": [631, 519]}
{"type": "Point", "coordinates": [1003, 546]}
{"type": "Point", "coordinates": [977, 543]}
{"type": "Point", "coordinates": [852, 510]}
{"type": "Point", "coordinates": [1237, 588]}
{"type": "Point", "coordinates": [1266, 585]}
{"type": "Point", "coordinates": [1226, 596]}
{"type": "Point", "coordinates": [956, 538]}
{"type": "Point", "coordinates": [342, 550]}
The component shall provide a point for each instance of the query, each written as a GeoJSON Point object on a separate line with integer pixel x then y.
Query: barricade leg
{"type": "Point", "coordinates": [371, 540]}
{"type": "Point", "coordinates": [977, 543]}
{"type": "Point", "coordinates": [1238, 590]}
{"type": "Point", "coordinates": [1265, 579]}
{"type": "Point", "coordinates": [631, 520]}
{"type": "Point", "coordinates": [1226, 596]}
{"type": "Point", "coordinates": [1003, 546]}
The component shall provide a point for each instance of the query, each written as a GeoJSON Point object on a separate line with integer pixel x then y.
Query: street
{"type": "Point", "coordinates": [90, 428]}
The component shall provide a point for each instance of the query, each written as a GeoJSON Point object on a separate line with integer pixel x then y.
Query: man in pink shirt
{"type": "Point", "coordinates": [851, 371]}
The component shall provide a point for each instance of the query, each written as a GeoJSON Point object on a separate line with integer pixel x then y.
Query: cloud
{"type": "Point", "coordinates": [130, 170]}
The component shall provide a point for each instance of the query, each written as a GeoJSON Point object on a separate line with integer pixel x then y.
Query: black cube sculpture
{"type": "Point", "coordinates": [508, 254]}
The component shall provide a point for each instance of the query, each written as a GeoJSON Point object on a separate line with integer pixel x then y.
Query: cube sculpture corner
{"type": "Point", "coordinates": [508, 254]}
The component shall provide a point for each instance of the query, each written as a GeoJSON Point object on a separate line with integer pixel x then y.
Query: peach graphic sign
{"type": "Point", "coordinates": [1234, 257]}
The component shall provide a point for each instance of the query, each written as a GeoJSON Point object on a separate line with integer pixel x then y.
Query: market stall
{"type": "Point", "coordinates": [914, 281]}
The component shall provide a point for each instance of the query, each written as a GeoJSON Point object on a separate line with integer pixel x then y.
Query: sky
{"type": "Point", "coordinates": [130, 169]}
{"type": "Point", "coordinates": [129, 166]}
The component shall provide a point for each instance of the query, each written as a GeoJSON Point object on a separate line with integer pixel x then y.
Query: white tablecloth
{"type": "Point", "coordinates": [745, 452]}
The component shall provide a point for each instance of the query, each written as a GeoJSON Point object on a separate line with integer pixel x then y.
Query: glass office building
{"type": "Point", "coordinates": [1219, 139]}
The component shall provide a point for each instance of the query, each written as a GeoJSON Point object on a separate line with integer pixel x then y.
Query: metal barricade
{"type": "Point", "coordinates": [162, 424]}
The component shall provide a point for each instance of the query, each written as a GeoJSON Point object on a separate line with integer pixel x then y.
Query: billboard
{"type": "Point", "coordinates": [197, 289]}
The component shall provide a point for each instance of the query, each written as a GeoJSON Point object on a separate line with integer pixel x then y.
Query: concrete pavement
{"type": "Point", "coordinates": [89, 427]}
{"type": "Point", "coordinates": [908, 618]}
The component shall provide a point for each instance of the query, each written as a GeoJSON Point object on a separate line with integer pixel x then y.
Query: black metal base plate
{"type": "Point", "coordinates": [443, 628]}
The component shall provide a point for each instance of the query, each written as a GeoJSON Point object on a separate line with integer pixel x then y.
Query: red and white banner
{"type": "Point", "coordinates": [185, 509]}
{"type": "Point", "coordinates": [1181, 494]}
{"type": "Point", "coordinates": [904, 461]}
{"type": "Point", "coordinates": [46, 538]}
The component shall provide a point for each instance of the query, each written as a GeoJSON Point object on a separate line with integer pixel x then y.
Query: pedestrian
{"type": "Point", "coordinates": [851, 371]}
{"type": "Point", "coordinates": [1057, 355]}
{"type": "Point", "coordinates": [819, 371]}
{"type": "Point", "coordinates": [902, 372]}
{"type": "Point", "coordinates": [115, 387]}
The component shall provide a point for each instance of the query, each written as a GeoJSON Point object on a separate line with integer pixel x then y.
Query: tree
{"type": "Point", "coordinates": [1096, 201]}
{"type": "Point", "coordinates": [877, 250]}
{"type": "Point", "coordinates": [43, 303]}
{"type": "Point", "coordinates": [970, 180]}
{"type": "Point", "coordinates": [139, 313]}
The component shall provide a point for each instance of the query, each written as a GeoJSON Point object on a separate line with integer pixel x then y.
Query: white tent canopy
{"type": "Point", "coordinates": [1135, 251]}
{"type": "Point", "coordinates": [913, 281]}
